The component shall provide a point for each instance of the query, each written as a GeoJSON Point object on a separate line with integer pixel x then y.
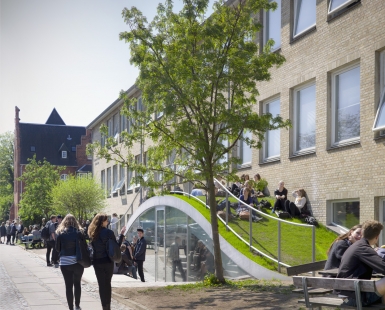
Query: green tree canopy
{"type": "Point", "coordinates": [39, 179]}
{"type": "Point", "coordinates": [6, 174]}
{"type": "Point", "coordinates": [198, 79]}
{"type": "Point", "coordinates": [82, 197]}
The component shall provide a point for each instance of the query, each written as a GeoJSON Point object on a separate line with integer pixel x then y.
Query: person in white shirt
{"type": "Point", "coordinates": [114, 225]}
{"type": "Point", "coordinates": [299, 205]}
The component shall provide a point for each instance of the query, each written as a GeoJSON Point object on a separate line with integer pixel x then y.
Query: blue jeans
{"type": "Point", "coordinates": [368, 298]}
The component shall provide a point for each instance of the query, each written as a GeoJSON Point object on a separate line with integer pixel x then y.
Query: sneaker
{"type": "Point", "coordinates": [49, 265]}
{"type": "Point", "coordinates": [56, 265]}
{"type": "Point", "coordinates": [78, 308]}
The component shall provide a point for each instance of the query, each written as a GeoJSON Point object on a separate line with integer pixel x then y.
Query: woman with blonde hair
{"type": "Point", "coordinates": [68, 232]}
{"type": "Point", "coordinates": [340, 245]}
{"type": "Point", "coordinates": [104, 268]}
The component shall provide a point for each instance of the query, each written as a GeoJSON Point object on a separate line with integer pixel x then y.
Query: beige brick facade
{"type": "Point", "coordinates": [350, 172]}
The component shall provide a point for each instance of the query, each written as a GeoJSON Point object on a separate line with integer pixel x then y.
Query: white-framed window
{"type": "Point", "coordinates": [108, 182]}
{"type": "Point", "coordinates": [304, 103]}
{"type": "Point", "coordinates": [272, 25]}
{"type": "Point", "coordinates": [304, 16]}
{"type": "Point", "coordinates": [116, 126]}
{"type": "Point", "coordinates": [122, 178]}
{"type": "Point", "coordinates": [346, 105]}
{"type": "Point", "coordinates": [64, 177]}
{"type": "Point", "coordinates": [346, 213]}
{"type": "Point", "coordinates": [336, 5]}
{"type": "Point", "coordinates": [244, 150]}
{"type": "Point", "coordinates": [103, 179]}
{"type": "Point", "coordinates": [114, 178]}
{"type": "Point", "coordinates": [272, 143]}
{"type": "Point", "coordinates": [63, 154]}
{"type": "Point", "coordinates": [382, 219]}
{"type": "Point", "coordinates": [379, 121]}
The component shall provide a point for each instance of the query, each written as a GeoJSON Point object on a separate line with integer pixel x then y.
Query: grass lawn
{"type": "Point", "coordinates": [296, 241]}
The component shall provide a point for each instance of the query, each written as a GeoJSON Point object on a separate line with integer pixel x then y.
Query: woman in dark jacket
{"type": "Point", "coordinates": [68, 232]}
{"type": "Point", "coordinates": [340, 245]}
{"type": "Point", "coordinates": [103, 266]}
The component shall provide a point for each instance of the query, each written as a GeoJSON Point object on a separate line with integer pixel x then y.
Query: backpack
{"type": "Point", "coordinates": [244, 215]}
{"type": "Point", "coordinates": [311, 220]}
{"type": "Point", "coordinates": [45, 232]}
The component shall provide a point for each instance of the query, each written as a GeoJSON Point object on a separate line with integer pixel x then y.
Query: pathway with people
{"type": "Point", "coordinates": [26, 283]}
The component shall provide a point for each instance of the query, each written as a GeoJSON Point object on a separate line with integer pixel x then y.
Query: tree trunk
{"type": "Point", "coordinates": [214, 229]}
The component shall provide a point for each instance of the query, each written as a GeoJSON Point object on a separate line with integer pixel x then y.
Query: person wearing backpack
{"type": "Point", "coordinates": [104, 267]}
{"type": "Point", "coordinates": [66, 235]}
{"type": "Point", "coordinates": [50, 240]}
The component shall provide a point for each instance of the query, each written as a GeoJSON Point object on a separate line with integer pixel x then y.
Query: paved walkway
{"type": "Point", "coordinates": [26, 283]}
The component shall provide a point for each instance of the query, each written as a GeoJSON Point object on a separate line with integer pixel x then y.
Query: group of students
{"type": "Point", "coordinates": [356, 255]}
{"type": "Point", "coordinates": [9, 231]}
{"type": "Point", "coordinates": [69, 232]}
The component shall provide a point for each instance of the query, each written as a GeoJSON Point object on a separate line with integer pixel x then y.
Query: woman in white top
{"type": "Point", "coordinates": [299, 205]}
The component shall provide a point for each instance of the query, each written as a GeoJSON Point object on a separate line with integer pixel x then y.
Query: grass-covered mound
{"type": "Point", "coordinates": [296, 241]}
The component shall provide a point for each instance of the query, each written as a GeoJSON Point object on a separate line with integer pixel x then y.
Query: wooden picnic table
{"type": "Point", "coordinates": [333, 273]}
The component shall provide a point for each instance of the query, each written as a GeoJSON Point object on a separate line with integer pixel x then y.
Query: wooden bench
{"type": "Point", "coordinates": [354, 285]}
{"type": "Point", "coordinates": [305, 268]}
{"type": "Point", "coordinates": [35, 240]}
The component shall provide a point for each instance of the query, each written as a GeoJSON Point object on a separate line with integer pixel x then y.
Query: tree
{"type": "Point", "coordinates": [198, 78]}
{"type": "Point", "coordinates": [39, 179]}
{"type": "Point", "coordinates": [82, 197]}
{"type": "Point", "coordinates": [6, 174]}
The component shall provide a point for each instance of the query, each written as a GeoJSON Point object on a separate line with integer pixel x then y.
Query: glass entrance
{"type": "Point", "coordinates": [160, 255]}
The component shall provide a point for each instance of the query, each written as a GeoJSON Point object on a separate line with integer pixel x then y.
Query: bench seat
{"type": "Point", "coordinates": [336, 303]}
{"type": "Point", "coordinates": [313, 291]}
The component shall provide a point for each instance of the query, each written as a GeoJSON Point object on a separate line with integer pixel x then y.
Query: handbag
{"type": "Point", "coordinates": [113, 251]}
{"type": "Point", "coordinates": [83, 255]}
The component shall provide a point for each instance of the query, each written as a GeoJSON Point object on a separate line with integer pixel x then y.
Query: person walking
{"type": "Point", "coordinates": [3, 233]}
{"type": "Point", "coordinates": [99, 235]}
{"type": "Point", "coordinates": [50, 241]}
{"type": "Point", "coordinates": [13, 233]}
{"type": "Point", "coordinates": [67, 234]}
{"type": "Point", "coordinates": [176, 262]}
{"type": "Point", "coordinates": [140, 253]}
{"type": "Point", "coordinates": [52, 230]}
{"type": "Point", "coordinates": [8, 232]}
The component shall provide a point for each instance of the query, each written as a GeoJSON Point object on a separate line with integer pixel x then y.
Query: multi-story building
{"type": "Point", "coordinates": [332, 88]}
{"type": "Point", "coordinates": [59, 144]}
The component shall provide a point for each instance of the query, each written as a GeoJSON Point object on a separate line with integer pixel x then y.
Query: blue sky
{"type": "Point", "coordinates": [64, 54]}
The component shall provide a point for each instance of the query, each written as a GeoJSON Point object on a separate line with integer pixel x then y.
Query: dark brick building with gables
{"type": "Point", "coordinates": [59, 144]}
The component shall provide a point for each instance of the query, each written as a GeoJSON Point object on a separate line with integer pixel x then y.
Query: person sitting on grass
{"type": "Point", "coordinates": [280, 197]}
{"type": "Point", "coordinates": [299, 205]}
{"type": "Point", "coordinates": [359, 261]}
{"type": "Point", "coordinates": [247, 199]}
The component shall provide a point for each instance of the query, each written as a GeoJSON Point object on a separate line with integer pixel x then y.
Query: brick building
{"type": "Point", "coordinates": [59, 144]}
{"type": "Point", "coordinates": [332, 88]}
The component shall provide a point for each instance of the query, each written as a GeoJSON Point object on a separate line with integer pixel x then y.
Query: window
{"type": "Point", "coordinates": [116, 126]}
{"type": "Point", "coordinates": [379, 121]}
{"type": "Point", "coordinates": [158, 115]}
{"type": "Point", "coordinates": [244, 150]}
{"type": "Point", "coordinates": [123, 123]}
{"type": "Point", "coordinates": [346, 213]}
{"type": "Point", "coordinates": [346, 105]}
{"type": "Point", "coordinates": [272, 26]}
{"type": "Point", "coordinates": [138, 160]}
{"type": "Point", "coordinates": [304, 15]}
{"type": "Point", "coordinates": [130, 186]}
{"type": "Point", "coordinates": [336, 5]}
{"type": "Point", "coordinates": [63, 154]}
{"type": "Point", "coordinates": [382, 220]}
{"type": "Point", "coordinates": [304, 118]}
{"type": "Point", "coordinates": [225, 157]}
{"type": "Point", "coordinates": [108, 182]}
{"type": "Point", "coordinates": [103, 179]}
{"type": "Point", "coordinates": [114, 178]}
{"type": "Point", "coordinates": [33, 149]}
{"type": "Point", "coordinates": [73, 149]}
{"type": "Point", "coordinates": [110, 127]}
{"type": "Point", "coordinates": [119, 185]}
{"type": "Point", "coordinates": [272, 142]}
{"type": "Point", "coordinates": [64, 177]}
{"type": "Point", "coordinates": [103, 137]}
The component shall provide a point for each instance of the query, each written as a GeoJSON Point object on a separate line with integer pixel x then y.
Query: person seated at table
{"type": "Point", "coordinates": [280, 197]}
{"type": "Point", "coordinates": [359, 261]}
{"type": "Point", "coordinates": [340, 245]}
{"type": "Point", "coordinates": [295, 208]}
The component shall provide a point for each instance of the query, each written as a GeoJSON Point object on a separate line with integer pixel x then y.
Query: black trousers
{"type": "Point", "coordinates": [104, 273]}
{"type": "Point", "coordinates": [8, 239]}
{"type": "Point", "coordinates": [279, 204]}
{"type": "Point", "coordinates": [177, 263]}
{"type": "Point", "coordinates": [292, 209]}
{"type": "Point", "coordinates": [140, 269]}
{"type": "Point", "coordinates": [50, 247]}
{"type": "Point", "coordinates": [72, 275]}
{"type": "Point", "coordinates": [55, 254]}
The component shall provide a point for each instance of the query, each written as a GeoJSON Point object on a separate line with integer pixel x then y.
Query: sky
{"type": "Point", "coordinates": [64, 54]}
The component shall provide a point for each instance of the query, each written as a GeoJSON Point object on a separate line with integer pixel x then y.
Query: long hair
{"type": "Point", "coordinates": [344, 236]}
{"type": "Point", "coordinates": [96, 226]}
{"type": "Point", "coordinates": [68, 221]}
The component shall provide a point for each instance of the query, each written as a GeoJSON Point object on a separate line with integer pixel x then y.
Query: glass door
{"type": "Point", "coordinates": [160, 254]}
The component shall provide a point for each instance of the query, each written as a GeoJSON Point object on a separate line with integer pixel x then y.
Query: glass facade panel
{"type": "Point", "coordinates": [273, 25]}
{"type": "Point", "coordinates": [193, 254]}
{"type": "Point", "coordinates": [305, 15]}
{"type": "Point", "coordinates": [346, 213]}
